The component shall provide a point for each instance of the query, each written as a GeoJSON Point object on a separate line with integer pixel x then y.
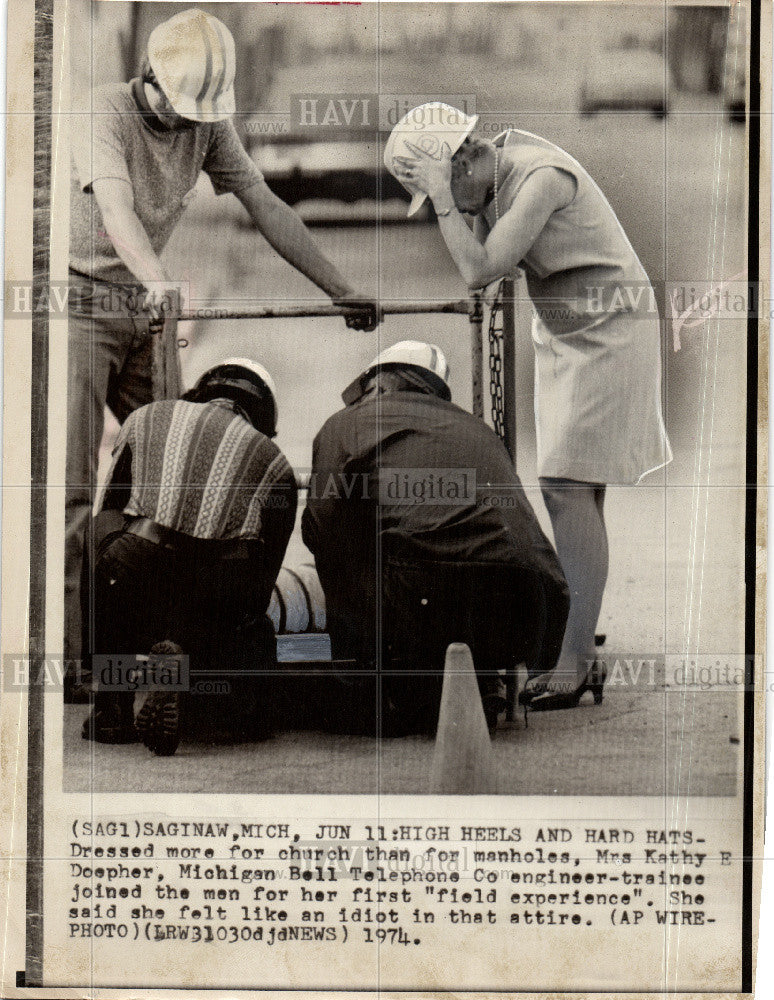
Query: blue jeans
{"type": "Point", "coordinates": [109, 363]}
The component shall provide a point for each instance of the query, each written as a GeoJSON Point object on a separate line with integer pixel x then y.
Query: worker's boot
{"type": "Point", "coordinates": [159, 719]}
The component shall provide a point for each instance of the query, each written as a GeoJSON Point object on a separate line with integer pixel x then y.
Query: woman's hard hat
{"type": "Point", "coordinates": [428, 126]}
{"type": "Point", "coordinates": [428, 358]}
{"type": "Point", "coordinates": [193, 58]}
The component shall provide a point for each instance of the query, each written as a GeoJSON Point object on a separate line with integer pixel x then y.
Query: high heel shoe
{"type": "Point", "coordinates": [547, 700]}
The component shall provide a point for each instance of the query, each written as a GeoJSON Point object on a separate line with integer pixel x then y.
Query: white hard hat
{"type": "Point", "coordinates": [193, 58]}
{"type": "Point", "coordinates": [428, 126]}
{"type": "Point", "coordinates": [223, 375]}
{"type": "Point", "coordinates": [255, 368]}
{"type": "Point", "coordinates": [406, 354]}
{"type": "Point", "coordinates": [416, 353]}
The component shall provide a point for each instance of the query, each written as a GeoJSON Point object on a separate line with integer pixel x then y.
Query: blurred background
{"type": "Point", "coordinates": [650, 99]}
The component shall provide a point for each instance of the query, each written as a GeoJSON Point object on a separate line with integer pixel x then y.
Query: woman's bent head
{"type": "Point", "coordinates": [473, 174]}
{"type": "Point", "coordinates": [429, 128]}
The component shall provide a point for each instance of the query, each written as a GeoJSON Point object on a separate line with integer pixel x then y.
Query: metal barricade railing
{"type": "Point", "coordinates": [167, 379]}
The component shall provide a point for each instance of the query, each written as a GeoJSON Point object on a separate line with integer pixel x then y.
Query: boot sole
{"type": "Point", "coordinates": [158, 722]}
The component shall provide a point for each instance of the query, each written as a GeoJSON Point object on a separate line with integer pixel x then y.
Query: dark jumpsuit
{"type": "Point", "coordinates": [403, 579]}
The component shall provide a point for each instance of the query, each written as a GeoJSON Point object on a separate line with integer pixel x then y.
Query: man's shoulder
{"type": "Point", "coordinates": [156, 413]}
{"type": "Point", "coordinates": [271, 463]}
{"type": "Point", "coordinates": [221, 136]}
{"type": "Point", "coordinates": [421, 402]}
{"type": "Point", "coordinates": [338, 423]}
{"type": "Point", "coordinates": [146, 411]}
{"type": "Point", "coordinates": [115, 97]}
{"type": "Point", "coordinates": [174, 411]}
{"type": "Point", "coordinates": [225, 127]}
{"type": "Point", "coordinates": [265, 451]}
{"type": "Point", "coordinates": [449, 422]}
{"type": "Point", "coordinates": [418, 411]}
{"type": "Point", "coordinates": [343, 416]}
{"type": "Point", "coordinates": [473, 426]}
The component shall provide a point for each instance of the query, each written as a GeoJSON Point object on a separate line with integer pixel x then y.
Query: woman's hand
{"type": "Point", "coordinates": [431, 174]}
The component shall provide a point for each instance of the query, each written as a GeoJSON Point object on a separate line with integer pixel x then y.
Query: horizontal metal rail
{"type": "Point", "coordinates": [464, 306]}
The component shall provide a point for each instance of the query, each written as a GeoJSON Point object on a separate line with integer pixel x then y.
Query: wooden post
{"type": "Point", "coordinates": [509, 366]}
{"type": "Point", "coordinates": [167, 378]}
{"type": "Point", "coordinates": [476, 358]}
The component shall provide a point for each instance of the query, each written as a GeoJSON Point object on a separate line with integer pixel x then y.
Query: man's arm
{"type": "Point", "coordinates": [286, 233]}
{"type": "Point", "coordinates": [127, 234]}
{"type": "Point", "coordinates": [116, 203]}
{"type": "Point", "coordinates": [284, 230]}
{"type": "Point", "coordinates": [230, 169]}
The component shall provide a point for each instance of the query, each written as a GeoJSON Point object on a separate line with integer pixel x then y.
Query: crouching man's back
{"type": "Point", "coordinates": [423, 536]}
{"type": "Point", "coordinates": [206, 504]}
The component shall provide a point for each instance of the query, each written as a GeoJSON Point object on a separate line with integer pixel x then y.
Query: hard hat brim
{"type": "Point", "coordinates": [354, 391]}
{"type": "Point", "coordinates": [417, 200]}
{"type": "Point", "coordinates": [186, 107]}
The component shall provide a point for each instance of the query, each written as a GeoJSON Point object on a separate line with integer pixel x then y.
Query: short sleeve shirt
{"type": "Point", "coordinates": [122, 139]}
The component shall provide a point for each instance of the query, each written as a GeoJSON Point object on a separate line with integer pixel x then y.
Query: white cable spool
{"type": "Point", "coordinates": [297, 602]}
{"type": "Point", "coordinates": [307, 573]}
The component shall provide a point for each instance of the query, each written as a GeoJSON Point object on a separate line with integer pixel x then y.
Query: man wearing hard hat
{"type": "Point", "coordinates": [423, 536]}
{"type": "Point", "coordinates": [202, 504]}
{"type": "Point", "coordinates": [135, 169]}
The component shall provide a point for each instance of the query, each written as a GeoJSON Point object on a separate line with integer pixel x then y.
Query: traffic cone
{"type": "Point", "coordinates": [463, 760]}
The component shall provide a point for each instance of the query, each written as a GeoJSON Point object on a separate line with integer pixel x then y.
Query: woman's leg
{"type": "Point", "coordinates": [577, 514]}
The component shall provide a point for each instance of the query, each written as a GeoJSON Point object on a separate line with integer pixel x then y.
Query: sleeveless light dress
{"type": "Point", "coordinates": [595, 329]}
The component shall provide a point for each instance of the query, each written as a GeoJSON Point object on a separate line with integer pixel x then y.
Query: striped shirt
{"type": "Point", "coordinates": [201, 469]}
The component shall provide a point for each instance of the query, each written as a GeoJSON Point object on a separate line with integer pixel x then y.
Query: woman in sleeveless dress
{"type": "Point", "coordinates": [596, 335]}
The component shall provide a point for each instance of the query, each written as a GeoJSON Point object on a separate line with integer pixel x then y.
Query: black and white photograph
{"type": "Point", "coordinates": [465, 365]}
{"type": "Point", "coordinates": [384, 497]}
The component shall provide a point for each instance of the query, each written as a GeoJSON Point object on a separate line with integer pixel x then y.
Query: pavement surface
{"type": "Point", "coordinates": [652, 735]}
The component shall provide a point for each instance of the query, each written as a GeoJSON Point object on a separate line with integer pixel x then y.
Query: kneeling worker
{"type": "Point", "coordinates": [209, 503]}
{"type": "Point", "coordinates": [423, 536]}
